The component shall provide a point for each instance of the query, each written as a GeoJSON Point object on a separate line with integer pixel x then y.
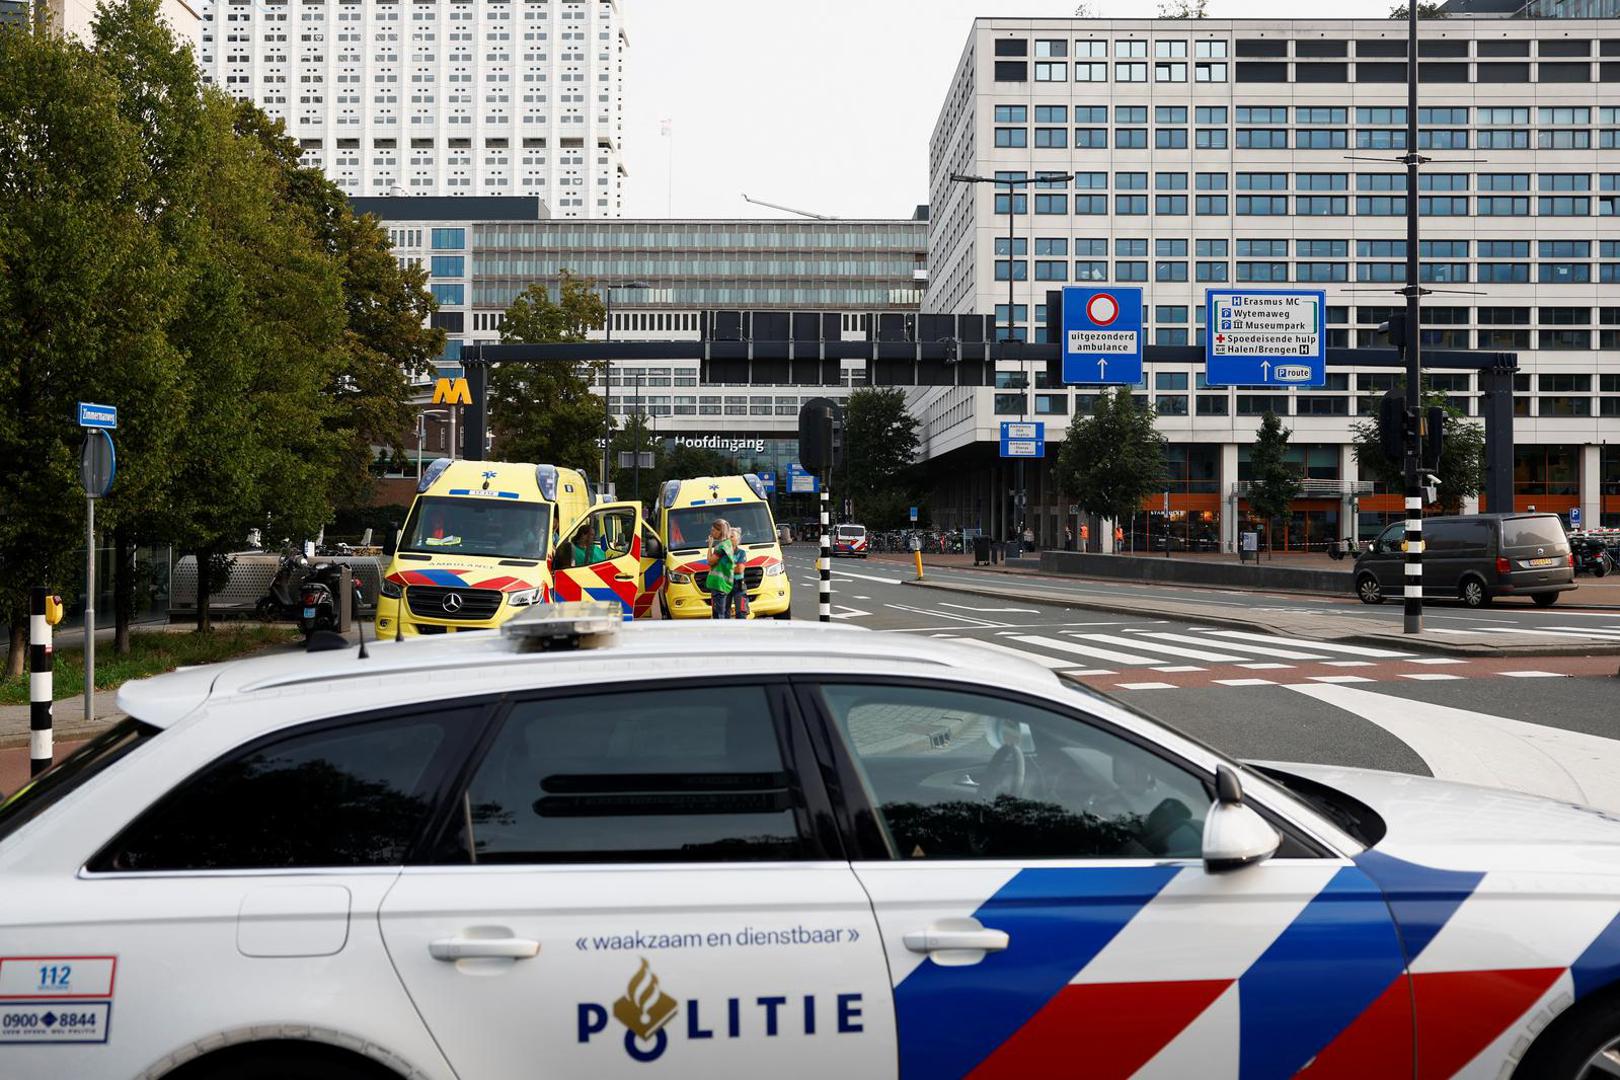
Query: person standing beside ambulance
{"type": "Point", "coordinates": [722, 558]}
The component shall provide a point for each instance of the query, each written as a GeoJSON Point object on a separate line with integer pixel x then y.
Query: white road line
{"type": "Point", "coordinates": [1319, 646]}
{"type": "Point", "coordinates": [842, 612]}
{"type": "Point", "coordinates": [1267, 667]}
{"type": "Point", "coordinates": [1245, 682]}
{"type": "Point", "coordinates": [1023, 654]}
{"type": "Point", "coordinates": [1430, 676]}
{"type": "Point", "coordinates": [1093, 671]}
{"type": "Point", "coordinates": [1436, 660]}
{"type": "Point", "coordinates": [1600, 631]}
{"type": "Point", "coordinates": [1533, 674]}
{"type": "Point", "coordinates": [1281, 654]}
{"type": "Point", "coordinates": [1339, 678]}
{"type": "Point", "coordinates": [863, 598]}
{"type": "Point", "coordinates": [869, 577]}
{"type": "Point", "coordinates": [1168, 650]}
{"type": "Point", "coordinates": [943, 615]}
{"type": "Point", "coordinates": [1180, 668]}
{"type": "Point", "coordinates": [1348, 663]}
{"type": "Point", "coordinates": [1112, 656]}
{"type": "Point", "coordinates": [1580, 634]}
{"type": "Point", "coordinates": [1145, 685]}
{"type": "Point", "coordinates": [1478, 748]}
{"type": "Point", "coordinates": [991, 610]}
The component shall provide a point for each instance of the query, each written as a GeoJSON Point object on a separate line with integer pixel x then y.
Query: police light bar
{"type": "Point", "coordinates": [432, 473]}
{"type": "Point", "coordinates": [577, 625]}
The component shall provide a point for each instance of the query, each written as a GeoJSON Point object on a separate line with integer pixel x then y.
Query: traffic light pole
{"type": "Point", "coordinates": [1412, 621]}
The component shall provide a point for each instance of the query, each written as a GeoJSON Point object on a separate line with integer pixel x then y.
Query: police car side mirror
{"type": "Point", "coordinates": [1235, 835]}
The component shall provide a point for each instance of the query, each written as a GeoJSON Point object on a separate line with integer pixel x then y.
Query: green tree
{"type": "Point", "coordinates": [1426, 9]}
{"type": "Point", "coordinates": [1462, 454]}
{"type": "Point", "coordinates": [546, 413]}
{"type": "Point", "coordinates": [1112, 459]}
{"type": "Point", "coordinates": [85, 290]}
{"type": "Point", "coordinates": [684, 462]}
{"type": "Point", "coordinates": [1274, 481]}
{"type": "Point", "coordinates": [386, 339]}
{"type": "Point", "coordinates": [880, 448]}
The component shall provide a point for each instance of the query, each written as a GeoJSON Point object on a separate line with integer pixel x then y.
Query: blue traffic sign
{"type": "Point", "coordinates": [1268, 337]}
{"type": "Point", "coordinates": [1023, 439]}
{"type": "Point", "coordinates": [801, 482]}
{"type": "Point", "coordinates": [1574, 517]}
{"type": "Point", "coordinates": [1102, 335]}
{"type": "Point", "coordinates": [767, 480]}
{"type": "Point", "coordinates": [914, 515]}
{"type": "Point", "coordinates": [97, 416]}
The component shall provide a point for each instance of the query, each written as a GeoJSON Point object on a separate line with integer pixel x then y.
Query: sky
{"type": "Point", "coordinates": [821, 105]}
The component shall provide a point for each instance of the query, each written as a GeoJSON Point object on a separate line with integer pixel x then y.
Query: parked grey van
{"type": "Point", "coordinates": [1475, 558]}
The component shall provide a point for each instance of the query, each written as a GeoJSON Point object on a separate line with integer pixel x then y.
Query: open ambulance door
{"type": "Point", "coordinates": [606, 555]}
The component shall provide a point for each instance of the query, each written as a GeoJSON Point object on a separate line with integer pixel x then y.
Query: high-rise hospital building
{"type": "Point", "coordinates": [1197, 154]}
{"type": "Point", "coordinates": [437, 97]}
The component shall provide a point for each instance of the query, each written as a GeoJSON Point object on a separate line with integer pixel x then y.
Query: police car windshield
{"type": "Point", "coordinates": [689, 528]}
{"type": "Point", "coordinates": [466, 525]}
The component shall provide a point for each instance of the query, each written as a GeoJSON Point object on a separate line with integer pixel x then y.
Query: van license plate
{"type": "Point", "coordinates": [1543, 562]}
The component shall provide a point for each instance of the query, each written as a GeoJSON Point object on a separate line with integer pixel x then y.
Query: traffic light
{"type": "Point", "coordinates": [816, 428]}
{"type": "Point", "coordinates": [1395, 327]}
{"type": "Point", "coordinates": [837, 437]}
{"type": "Point", "coordinates": [1392, 425]}
{"type": "Point", "coordinates": [1434, 434]}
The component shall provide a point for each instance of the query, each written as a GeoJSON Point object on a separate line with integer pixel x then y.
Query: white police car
{"type": "Point", "coordinates": [766, 851]}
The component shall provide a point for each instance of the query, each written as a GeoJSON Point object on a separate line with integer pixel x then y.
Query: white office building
{"type": "Point", "coordinates": [438, 97]}
{"type": "Point", "coordinates": [1198, 154]}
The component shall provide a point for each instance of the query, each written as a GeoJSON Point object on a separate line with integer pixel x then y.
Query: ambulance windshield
{"type": "Point", "coordinates": [459, 525]}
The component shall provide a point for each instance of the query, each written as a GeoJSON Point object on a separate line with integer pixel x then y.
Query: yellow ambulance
{"type": "Point", "coordinates": [476, 546]}
{"type": "Point", "coordinates": [684, 513]}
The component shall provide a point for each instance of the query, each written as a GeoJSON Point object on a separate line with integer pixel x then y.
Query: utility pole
{"type": "Point", "coordinates": [1412, 620]}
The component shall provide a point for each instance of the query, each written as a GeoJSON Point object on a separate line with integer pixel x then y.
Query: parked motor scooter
{"type": "Point", "coordinates": [1591, 556]}
{"type": "Point", "coordinates": [318, 598]}
{"type": "Point", "coordinates": [285, 598]}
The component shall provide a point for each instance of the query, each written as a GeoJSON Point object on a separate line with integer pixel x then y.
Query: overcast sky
{"type": "Point", "coordinates": [822, 105]}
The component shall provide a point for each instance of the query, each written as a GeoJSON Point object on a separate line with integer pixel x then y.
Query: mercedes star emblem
{"type": "Point", "coordinates": [452, 602]}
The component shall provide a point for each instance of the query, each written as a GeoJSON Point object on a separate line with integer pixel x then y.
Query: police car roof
{"type": "Point", "coordinates": [474, 662]}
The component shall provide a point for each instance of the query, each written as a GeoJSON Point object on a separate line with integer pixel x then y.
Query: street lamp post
{"type": "Point", "coordinates": [607, 374]}
{"type": "Point", "coordinates": [1012, 182]}
{"type": "Point", "coordinates": [421, 435]}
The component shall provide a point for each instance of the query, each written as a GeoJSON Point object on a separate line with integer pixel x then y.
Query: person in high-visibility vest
{"type": "Point", "coordinates": [1119, 538]}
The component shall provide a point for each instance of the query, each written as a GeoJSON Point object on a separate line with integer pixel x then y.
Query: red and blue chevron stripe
{"type": "Point", "coordinates": [1380, 967]}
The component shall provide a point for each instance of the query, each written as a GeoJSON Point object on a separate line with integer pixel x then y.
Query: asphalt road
{"type": "Point", "coordinates": [1547, 724]}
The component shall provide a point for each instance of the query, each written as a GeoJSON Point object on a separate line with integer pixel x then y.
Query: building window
{"type": "Point", "coordinates": [449, 239]}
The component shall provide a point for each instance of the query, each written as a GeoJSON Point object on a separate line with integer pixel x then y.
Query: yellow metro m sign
{"type": "Point", "coordinates": [451, 392]}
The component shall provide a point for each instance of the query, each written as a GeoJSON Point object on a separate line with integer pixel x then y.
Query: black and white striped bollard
{"type": "Point", "coordinates": [826, 561]}
{"type": "Point", "coordinates": [1412, 591]}
{"type": "Point", "coordinates": [40, 748]}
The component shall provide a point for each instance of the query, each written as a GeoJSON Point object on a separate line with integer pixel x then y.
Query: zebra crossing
{"type": "Point", "coordinates": [1206, 656]}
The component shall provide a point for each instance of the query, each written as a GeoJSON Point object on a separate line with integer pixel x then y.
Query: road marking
{"type": "Point", "coordinates": [991, 610]}
{"type": "Point", "coordinates": [869, 577]}
{"type": "Point", "coordinates": [1267, 667]}
{"type": "Point", "coordinates": [983, 624]}
{"type": "Point", "coordinates": [1479, 748]}
{"type": "Point", "coordinates": [1339, 678]}
{"type": "Point", "coordinates": [1348, 663]}
{"type": "Point", "coordinates": [1281, 654]}
{"type": "Point", "coordinates": [1051, 662]}
{"type": "Point", "coordinates": [863, 598]}
{"type": "Point", "coordinates": [1169, 650]}
{"type": "Point", "coordinates": [1145, 686]}
{"type": "Point", "coordinates": [1245, 682]}
{"type": "Point", "coordinates": [1180, 668]}
{"type": "Point", "coordinates": [842, 612]}
{"type": "Point", "coordinates": [1110, 655]}
{"type": "Point", "coordinates": [1430, 676]}
{"type": "Point", "coordinates": [1533, 674]}
{"type": "Point", "coordinates": [1436, 660]}
{"type": "Point", "coordinates": [1092, 671]}
{"type": "Point", "coordinates": [1602, 632]}
{"type": "Point", "coordinates": [1320, 646]}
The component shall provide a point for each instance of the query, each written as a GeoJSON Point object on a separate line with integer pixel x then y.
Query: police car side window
{"type": "Point", "coordinates": [336, 796]}
{"type": "Point", "coordinates": [659, 775]}
{"type": "Point", "coordinates": [959, 775]}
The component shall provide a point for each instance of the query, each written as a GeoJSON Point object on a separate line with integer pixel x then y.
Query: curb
{"type": "Point", "coordinates": [1253, 623]}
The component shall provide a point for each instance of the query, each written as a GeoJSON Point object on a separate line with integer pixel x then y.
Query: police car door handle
{"type": "Point", "coordinates": [951, 939]}
{"type": "Point", "coordinates": [503, 948]}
